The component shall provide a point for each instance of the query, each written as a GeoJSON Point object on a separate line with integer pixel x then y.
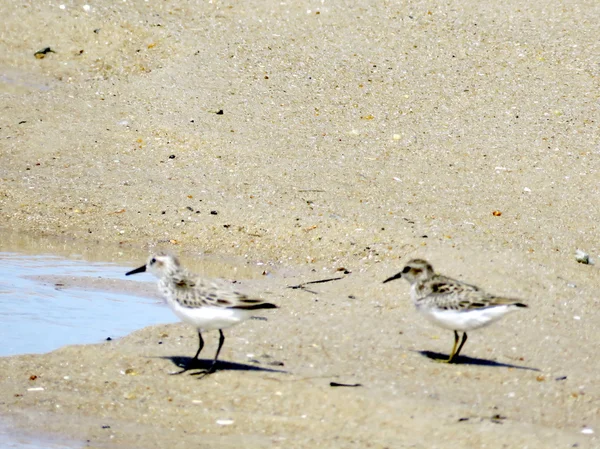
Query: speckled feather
{"type": "Point", "coordinates": [445, 293]}
{"type": "Point", "coordinates": [192, 291]}
{"type": "Point", "coordinates": [434, 291]}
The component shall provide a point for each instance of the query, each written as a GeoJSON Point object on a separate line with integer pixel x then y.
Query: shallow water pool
{"type": "Point", "coordinates": [40, 316]}
{"type": "Point", "coordinates": [40, 313]}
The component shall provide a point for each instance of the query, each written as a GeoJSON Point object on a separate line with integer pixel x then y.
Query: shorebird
{"type": "Point", "coordinates": [205, 304]}
{"type": "Point", "coordinates": [452, 304]}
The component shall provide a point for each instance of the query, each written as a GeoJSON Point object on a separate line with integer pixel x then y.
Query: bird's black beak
{"type": "Point", "coordinates": [394, 277]}
{"type": "Point", "coordinates": [137, 270]}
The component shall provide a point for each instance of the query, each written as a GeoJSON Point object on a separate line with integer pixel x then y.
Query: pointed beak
{"type": "Point", "coordinates": [137, 270]}
{"type": "Point", "coordinates": [394, 277]}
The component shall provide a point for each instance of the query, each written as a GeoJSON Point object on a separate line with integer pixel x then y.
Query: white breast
{"type": "Point", "coordinates": [209, 317]}
{"type": "Point", "coordinates": [461, 320]}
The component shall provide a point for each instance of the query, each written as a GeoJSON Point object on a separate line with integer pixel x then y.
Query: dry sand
{"type": "Point", "coordinates": [353, 135]}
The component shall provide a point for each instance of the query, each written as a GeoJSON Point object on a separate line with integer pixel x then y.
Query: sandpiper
{"type": "Point", "coordinates": [452, 304]}
{"type": "Point", "coordinates": [205, 304]}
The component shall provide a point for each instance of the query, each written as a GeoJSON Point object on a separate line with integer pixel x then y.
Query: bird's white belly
{"type": "Point", "coordinates": [465, 320]}
{"type": "Point", "coordinates": [208, 317]}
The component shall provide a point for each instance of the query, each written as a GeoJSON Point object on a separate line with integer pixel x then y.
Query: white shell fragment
{"type": "Point", "coordinates": [582, 257]}
{"type": "Point", "coordinates": [224, 422]}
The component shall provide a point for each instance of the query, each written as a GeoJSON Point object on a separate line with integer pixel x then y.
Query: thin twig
{"type": "Point", "coordinates": [321, 281]}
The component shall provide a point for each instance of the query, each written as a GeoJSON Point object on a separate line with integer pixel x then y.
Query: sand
{"type": "Point", "coordinates": [302, 140]}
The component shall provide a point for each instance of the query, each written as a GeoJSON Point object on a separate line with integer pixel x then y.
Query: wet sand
{"type": "Point", "coordinates": [352, 138]}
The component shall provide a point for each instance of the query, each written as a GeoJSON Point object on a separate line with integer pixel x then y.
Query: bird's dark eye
{"type": "Point", "coordinates": [406, 269]}
{"type": "Point", "coordinates": [152, 261]}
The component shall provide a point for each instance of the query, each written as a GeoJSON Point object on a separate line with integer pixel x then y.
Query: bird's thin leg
{"type": "Point", "coordinates": [200, 346]}
{"type": "Point", "coordinates": [453, 353]}
{"type": "Point", "coordinates": [462, 343]}
{"type": "Point", "coordinates": [221, 341]}
{"type": "Point", "coordinates": [191, 362]}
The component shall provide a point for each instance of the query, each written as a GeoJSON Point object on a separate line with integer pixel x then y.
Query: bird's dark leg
{"type": "Point", "coordinates": [462, 343]}
{"type": "Point", "coordinates": [201, 345]}
{"type": "Point", "coordinates": [214, 363]}
{"type": "Point", "coordinates": [191, 362]}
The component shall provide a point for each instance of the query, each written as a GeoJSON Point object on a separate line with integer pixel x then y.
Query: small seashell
{"type": "Point", "coordinates": [225, 422]}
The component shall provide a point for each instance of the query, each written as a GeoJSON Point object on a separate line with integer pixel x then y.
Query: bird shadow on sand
{"type": "Point", "coordinates": [200, 367]}
{"type": "Point", "coordinates": [464, 360]}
